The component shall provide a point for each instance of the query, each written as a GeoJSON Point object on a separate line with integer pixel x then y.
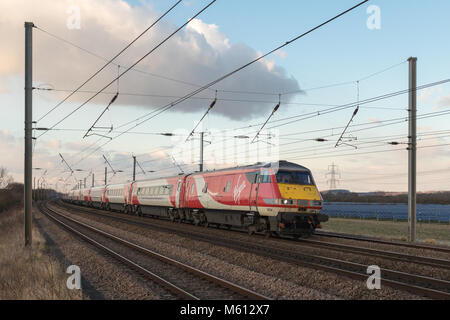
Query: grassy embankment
{"type": "Point", "coordinates": [27, 273]}
{"type": "Point", "coordinates": [427, 232]}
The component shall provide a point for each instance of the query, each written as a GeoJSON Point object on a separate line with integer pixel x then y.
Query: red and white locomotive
{"type": "Point", "coordinates": [280, 198]}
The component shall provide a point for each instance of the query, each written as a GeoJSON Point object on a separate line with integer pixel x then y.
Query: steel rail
{"type": "Point", "coordinates": [381, 241]}
{"type": "Point", "coordinates": [433, 262]}
{"type": "Point", "coordinates": [396, 279]}
{"type": "Point", "coordinates": [141, 270]}
{"type": "Point", "coordinates": [207, 276]}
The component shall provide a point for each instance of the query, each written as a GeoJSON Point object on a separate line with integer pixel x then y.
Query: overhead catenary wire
{"type": "Point", "coordinates": [134, 64]}
{"type": "Point", "coordinates": [270, 116]}
{"type": "Point", "coordinates": [339, 141]}
{"type": "Point", "coordinates": [172, 104]}
{"type": "Point", "coordinates": [188, 96]}
{"type": "Point", "coordinates": [204, 115]}
{"type": "Point", "coordinates": [112, 59]}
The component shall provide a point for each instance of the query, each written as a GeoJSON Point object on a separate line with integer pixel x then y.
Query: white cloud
{"type": "Point", "coordinates": [198, 54]}
{"type": "Point", "coordinates": [282, 54]}
{"type": "Point", "coordinates": [374, 120]}
{"type": "Point", "coordinates": [443, 101]}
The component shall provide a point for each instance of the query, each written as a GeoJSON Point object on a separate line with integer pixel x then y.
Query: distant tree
{"type": "Point", "coordinates": [5, 178]}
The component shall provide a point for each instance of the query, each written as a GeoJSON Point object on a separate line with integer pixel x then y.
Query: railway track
{"type": "Point", "coordinates": [417, 284]}
{"type": "Point", "coordinates": [181, 280]}
{"type": "Point", "coordinates": [382, 241]}
{"type": "Point", "coordinates": [385, 254]}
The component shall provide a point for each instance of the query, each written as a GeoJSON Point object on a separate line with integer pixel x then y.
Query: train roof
{"type": "Point", "coordinates": [281, 165]}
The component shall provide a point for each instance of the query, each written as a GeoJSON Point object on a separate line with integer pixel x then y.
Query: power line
{"type": "Point", "coordinates": [105, 65]}
{"type": "Point", "coordinates": [172, 104]}
{"type": "Point", "coordinates": [134, 64]}
{"type": "Point", "coordinates": [347, 82]}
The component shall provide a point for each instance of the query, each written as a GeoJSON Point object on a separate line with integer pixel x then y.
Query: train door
{"type": "Point", "coordinates": [130, 193]}
{"type": "Point", "coordinates": [178, 197]}
{"type": "Point", "coordinates": [254, 187]}
{"type": "Point", "coordinates": [187, 189]}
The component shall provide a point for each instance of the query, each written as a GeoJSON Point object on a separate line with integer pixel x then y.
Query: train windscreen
{"type": "Point", "coordinates": [294, 177]}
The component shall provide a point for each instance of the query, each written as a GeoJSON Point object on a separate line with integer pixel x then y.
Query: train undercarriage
{"type": "Point", "coordinates": [284, 224]}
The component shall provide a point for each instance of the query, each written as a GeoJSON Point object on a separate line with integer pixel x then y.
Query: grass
{"type": "Point", "coordinates": [28, 273]}
{"type": "Point", "coordinates": [426, 232]}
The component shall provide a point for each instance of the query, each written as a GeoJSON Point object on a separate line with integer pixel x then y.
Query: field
{"type": "Point", "coordinates": [426, 232]}
{"type": "Point", "coordinates": [28, 273]}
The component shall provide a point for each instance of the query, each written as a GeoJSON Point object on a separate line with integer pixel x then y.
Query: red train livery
{"type": "Point", "coordinates": [275, 198]}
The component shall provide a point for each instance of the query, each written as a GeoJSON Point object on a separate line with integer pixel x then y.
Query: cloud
{"type": "Point", "coordinates": [374, 120]}
{"type": "Point", "coordinates": [426, 94]}
{"type": "Point", "coordinates": [443, 101]}
{"type": "Point", "coordinates": [282, 54]}
{"type": "Point", "coordinates": [198, 54]}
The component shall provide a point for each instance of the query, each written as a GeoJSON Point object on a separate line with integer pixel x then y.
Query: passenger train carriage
{"type": "Point", "coordinates": [275, 198]}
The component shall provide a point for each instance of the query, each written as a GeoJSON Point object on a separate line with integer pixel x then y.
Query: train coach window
{"type": "Point", "coordinates": [227, 188]}
{"type": "Point", "coordinates": [192, 188]}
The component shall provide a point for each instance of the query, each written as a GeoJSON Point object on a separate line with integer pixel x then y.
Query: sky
{"type": "Point", "coordinates": [359, 56]}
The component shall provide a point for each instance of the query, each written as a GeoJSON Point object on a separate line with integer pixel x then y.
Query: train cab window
{"type": "Point", "coordinates": [294, 177]}
{"type": "Point", "coordinates": [251, 176]}
{"type": "Point", "coordinates": [265, 178]}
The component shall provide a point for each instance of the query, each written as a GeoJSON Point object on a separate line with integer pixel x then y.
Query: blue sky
{"type": "Point", "coordinates": [345, 50]}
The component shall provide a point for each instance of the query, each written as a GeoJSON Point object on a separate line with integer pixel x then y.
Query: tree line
{"type": "Point", "coordinates": [423, 198]}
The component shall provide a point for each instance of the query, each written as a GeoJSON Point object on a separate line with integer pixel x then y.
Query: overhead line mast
{"type": "Point", "coordinates": [412, 119]}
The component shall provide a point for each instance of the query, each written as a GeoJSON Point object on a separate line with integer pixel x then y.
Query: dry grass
{"type": "Point", "coordinates": [432, 233]}
{"type": "Point", "coordinates": [28, 273]}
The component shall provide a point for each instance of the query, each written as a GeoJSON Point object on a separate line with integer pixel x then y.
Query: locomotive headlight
{"type": "Point", "coordinates": [287, 201]}
{"type": "Point", "coordinates": [284, 201]}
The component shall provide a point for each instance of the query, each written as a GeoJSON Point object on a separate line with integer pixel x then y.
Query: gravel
{"type": "Point", "coordinates": [102, 277]}
{"type": "Point", "coordinates": [267, 276]}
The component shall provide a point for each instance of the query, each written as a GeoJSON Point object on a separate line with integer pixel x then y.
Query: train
{"type": "Point", "coordinates": [275, 198]}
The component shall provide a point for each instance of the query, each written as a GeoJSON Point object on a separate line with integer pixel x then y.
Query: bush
{"type": "Point", "coordinates": [10, 196]}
